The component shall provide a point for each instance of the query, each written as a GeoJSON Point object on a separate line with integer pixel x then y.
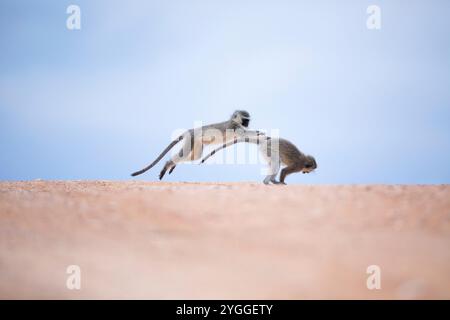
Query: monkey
{"type": "Point", "coordinates": [195, 139]}
{"type": "Point", "coordinates": [276, 151]}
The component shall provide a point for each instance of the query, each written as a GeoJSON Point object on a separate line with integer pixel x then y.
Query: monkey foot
{"type": "Point", "coordinates": [161, 175]}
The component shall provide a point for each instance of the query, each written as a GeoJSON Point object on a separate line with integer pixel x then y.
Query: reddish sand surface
{"type": "Point", "coordinates": [157, 240]}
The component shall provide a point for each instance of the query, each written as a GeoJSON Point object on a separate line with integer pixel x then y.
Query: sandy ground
{"type": "Point", "coordinates": [220, 240]}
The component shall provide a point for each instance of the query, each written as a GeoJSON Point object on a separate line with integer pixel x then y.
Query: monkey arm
{"type": "Point", "coordinates": [249, 139]}
{"type": "Point", "coordinates": [225, 145]}
{"type": "Point", "coordinates": [242, 132]}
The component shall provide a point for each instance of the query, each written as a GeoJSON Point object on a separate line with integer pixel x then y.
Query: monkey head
{"type": "Point", "coordinates": [242, 117]}
{"type": "Point", "coordinates": [310, 164]}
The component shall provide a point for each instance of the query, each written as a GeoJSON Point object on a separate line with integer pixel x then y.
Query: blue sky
{"type": "Point", "coordinates": [373, 106]}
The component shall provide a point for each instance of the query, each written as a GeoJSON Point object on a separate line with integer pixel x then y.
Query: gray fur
{"type": "Point", "coordinates": [277, 152]}
{"type": "Point", "coordinates": [195, 139]}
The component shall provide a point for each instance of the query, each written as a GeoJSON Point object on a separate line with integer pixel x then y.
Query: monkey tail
{"type": "Point", "coordinates": [170, 146]}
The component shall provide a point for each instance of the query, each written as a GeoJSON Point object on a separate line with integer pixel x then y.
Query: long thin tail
{"type": "Point", "coordinates": [170, 146]}
{"type": "Point", "coordinates": [236, 140]}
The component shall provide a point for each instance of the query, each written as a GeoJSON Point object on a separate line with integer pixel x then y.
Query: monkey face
{"type": "Point", "coordinates": [310, 164]}
{"type": "Point", "coordinates": [242, 117]}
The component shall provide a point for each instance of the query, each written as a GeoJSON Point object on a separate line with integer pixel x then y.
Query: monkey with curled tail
{"type": "Point", "coordinates": [195, 139]}
{"type": "Point", "coordinates": [276, 152]}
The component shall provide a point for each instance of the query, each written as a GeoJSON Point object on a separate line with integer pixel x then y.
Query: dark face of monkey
{"type": "Point", "coordinates": [242, 117]}
{"type": "Point", "coordinates": [310, 164]}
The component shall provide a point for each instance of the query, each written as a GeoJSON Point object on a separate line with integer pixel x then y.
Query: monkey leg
{"type": "Point", "coordinates": [274, 168]}
{"type": "Point", "coordinates": [274, 180]}
{"type": "Point", "coordinates": [181, 156]}
{"type": "Point", "coordinates": [185, 154]}
{"type": "Point", "coordinates": [197, 151]}
{"type": "Point", "coordinates": [171, 169]}
{"type": "Point", "coordinates": [169, 165]}
{"type": "Point", "coordinates": [271, 178]}
{"type": "Point", "coordinates": [286, 171]}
